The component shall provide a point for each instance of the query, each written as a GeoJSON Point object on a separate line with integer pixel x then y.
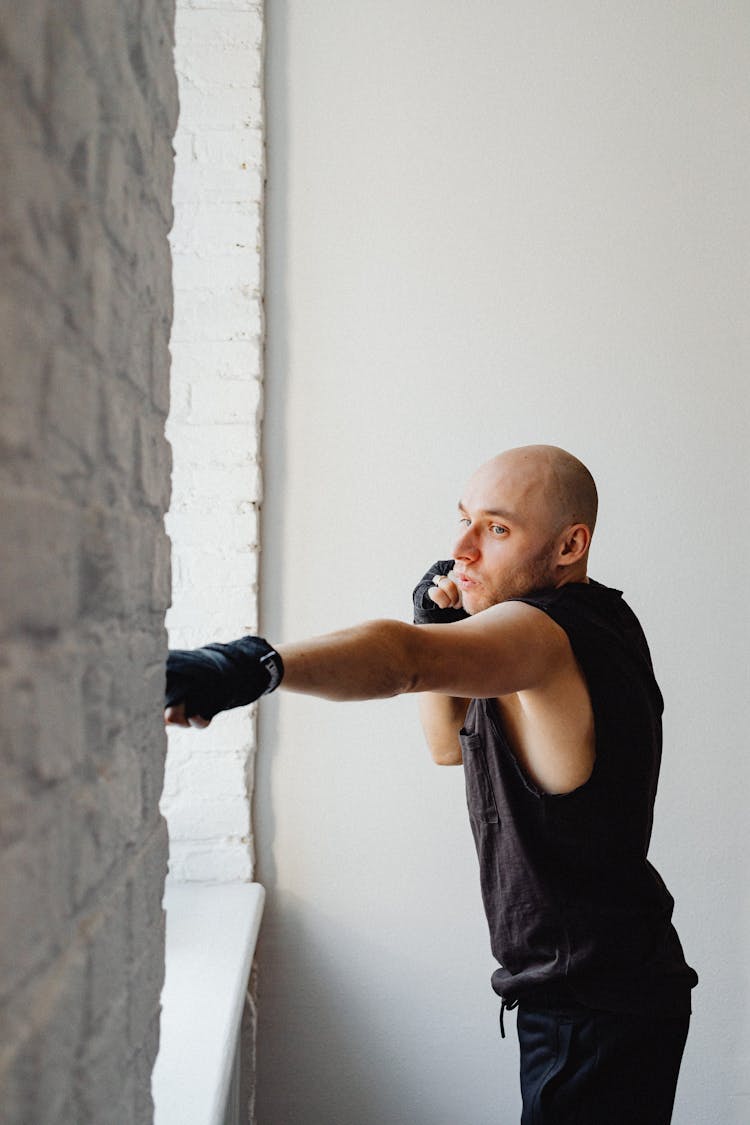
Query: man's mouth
{"type": "Point", "coordinates": [463, 580]}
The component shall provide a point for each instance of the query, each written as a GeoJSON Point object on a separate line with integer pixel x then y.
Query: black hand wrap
{"type": "Point", "coordinates": [218, 677]}
{"type": "Point", "coordinates": [426, 612]}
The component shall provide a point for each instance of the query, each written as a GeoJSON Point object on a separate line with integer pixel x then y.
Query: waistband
{"type": "Point", "coordinates": [556, 994]}
{"type": "Point", "coordinates": [554, 997]}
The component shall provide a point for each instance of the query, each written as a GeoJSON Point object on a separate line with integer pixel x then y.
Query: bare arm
{"type": "Point", "coordinates": [508, 648]}
{"type": "Point", "coordinates": [442, 717]}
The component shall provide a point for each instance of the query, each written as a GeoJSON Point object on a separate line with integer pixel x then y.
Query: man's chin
{"type": "Point", "coordinates": [474, 605]}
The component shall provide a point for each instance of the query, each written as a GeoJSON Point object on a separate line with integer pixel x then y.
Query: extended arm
{"type": "Point", "coordinates": [507, 648]}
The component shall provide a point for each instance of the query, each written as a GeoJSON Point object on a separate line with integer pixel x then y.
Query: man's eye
{"type": "Point", "coordinates": [465, 521]}
{"type": "Point", "coordinates": [496, 529]}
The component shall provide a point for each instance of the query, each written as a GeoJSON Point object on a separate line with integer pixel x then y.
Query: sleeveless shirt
{"type": "Point", "coordinates": [570, 897]}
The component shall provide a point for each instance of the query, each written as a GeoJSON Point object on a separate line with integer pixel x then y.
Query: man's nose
{"type": "Point", "coordinates": [465, 546]}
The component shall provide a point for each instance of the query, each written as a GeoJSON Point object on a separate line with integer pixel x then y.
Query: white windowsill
{"type": "Point", "coordinates": [211, 935]}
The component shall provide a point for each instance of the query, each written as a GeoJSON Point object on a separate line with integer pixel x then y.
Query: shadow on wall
{"type": "Point", "coordinates": [357, 1052]}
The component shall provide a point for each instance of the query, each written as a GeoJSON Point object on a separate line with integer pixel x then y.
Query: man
{"type": "Point", "coordinates": [540, 682]}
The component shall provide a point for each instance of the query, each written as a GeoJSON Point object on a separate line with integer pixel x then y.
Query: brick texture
{"type": "Point", "coordinates": [214, 422]}
{"type": "Point", "coordinates": [88, 109]}
{"type": "Point", "coordinates": [214, 429]}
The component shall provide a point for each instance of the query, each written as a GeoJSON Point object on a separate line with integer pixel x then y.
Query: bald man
{"type": "Point", "coordinates": [539, 681]}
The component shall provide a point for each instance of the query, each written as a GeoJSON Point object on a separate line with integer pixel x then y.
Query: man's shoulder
{"type": "Point", "coordinates": [589, 606]}
{"type": "Point", "coordinates": [603, 630]}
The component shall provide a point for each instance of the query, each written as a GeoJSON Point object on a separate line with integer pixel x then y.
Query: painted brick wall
{"type": "Point", "coordinates": [215, 416]}
{"type": "Point", "coordinates": [88, 107]}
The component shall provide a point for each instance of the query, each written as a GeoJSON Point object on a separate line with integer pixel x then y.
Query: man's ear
{"type": "Point", "coordinates": [575, 544]}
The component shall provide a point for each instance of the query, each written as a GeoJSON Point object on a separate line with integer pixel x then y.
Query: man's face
{"type": "Point", "coordinates": [507, 543]}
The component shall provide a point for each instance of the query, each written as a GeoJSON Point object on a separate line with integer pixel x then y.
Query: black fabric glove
{"type": "Point", "coordinates": [218, 677]}
{"type": "Point", "coordinates": [425, 610]}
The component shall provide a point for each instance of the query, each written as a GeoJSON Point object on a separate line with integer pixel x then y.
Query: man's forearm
{"type": "Point", "coordinates": [370, 661]}
{"type": "Point", "coordinates": [442, 717]}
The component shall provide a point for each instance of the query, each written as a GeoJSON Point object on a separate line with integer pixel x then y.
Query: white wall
{"type": "Point", "coordinates": [491, 224]}
{"type": "Point", "coordinates": [214, 420]}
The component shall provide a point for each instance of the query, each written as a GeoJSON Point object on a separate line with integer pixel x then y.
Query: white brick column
{"type": "Point", "coordinates": [215, 416]}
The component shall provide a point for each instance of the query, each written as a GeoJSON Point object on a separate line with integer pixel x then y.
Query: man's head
{"type": "Point", "coordinates": [526, 521]}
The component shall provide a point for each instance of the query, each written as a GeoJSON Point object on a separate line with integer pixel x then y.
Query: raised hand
{"type": "Point", "coordinates": [437, 599]}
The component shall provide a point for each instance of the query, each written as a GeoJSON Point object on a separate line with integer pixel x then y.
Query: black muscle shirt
{"type": "Point", "coordinates": [570, 897]}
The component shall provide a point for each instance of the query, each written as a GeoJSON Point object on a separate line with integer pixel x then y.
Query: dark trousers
{"type": "Point", "coordinates": [585, 1067]}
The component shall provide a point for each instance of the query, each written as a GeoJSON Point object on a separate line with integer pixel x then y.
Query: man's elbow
{"type": "Point", "coordinates": [446, 754]}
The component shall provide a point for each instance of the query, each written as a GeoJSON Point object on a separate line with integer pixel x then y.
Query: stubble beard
{"type": "Point", "coordinates": [536, 574]}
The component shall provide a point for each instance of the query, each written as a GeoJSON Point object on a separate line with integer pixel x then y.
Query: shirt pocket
{"type": "Point", "coordinates": [480, 796]}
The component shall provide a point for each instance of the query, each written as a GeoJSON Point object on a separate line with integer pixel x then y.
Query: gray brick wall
{"type": "Point", "coordinates": [88, 108]}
